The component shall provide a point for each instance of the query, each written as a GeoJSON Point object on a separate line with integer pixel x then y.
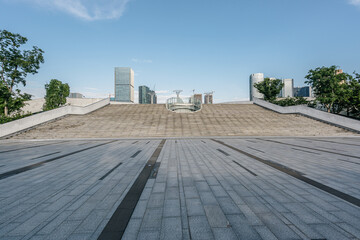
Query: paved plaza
{"type": "Point", "coordinates": [194, 188]}
{"type": "Point", "coordinates": [145, 120]}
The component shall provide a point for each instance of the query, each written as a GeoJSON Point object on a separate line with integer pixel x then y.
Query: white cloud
{"type": "Point", "coordinates": [354, 2]}
{"type": "Point", "coordinates": [85, 9]}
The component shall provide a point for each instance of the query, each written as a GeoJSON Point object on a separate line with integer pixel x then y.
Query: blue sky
{"type": "Point", "coordinates": [206, 45]}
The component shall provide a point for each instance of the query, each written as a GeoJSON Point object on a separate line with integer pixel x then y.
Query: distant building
{"type": "Point", "coordinates": [302, 91]}
{"type": "Point", "coordinates": [287, 90]}
{"type": "Point", "coordinates": [338, 71]}
{"type": "Point", "coordinates": [147, 96]}
{"type": "Point", "coordinates": [76, 95]}
{"type": "Point", "coordinates": [255, 78]}
{"type": "Point", "coordinates": [124, 84]}
{"type": "Point", "coordinates": [152, 94]}
{"type": "Point", "coordinates": [198, 97]}
{"type": "Point", "coordinates": [208, 98]}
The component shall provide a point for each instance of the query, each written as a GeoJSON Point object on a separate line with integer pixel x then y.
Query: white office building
{"type": "Point", "coordinates": [255, 78]}
{"type": "Point", "coordinates": [288, 88]}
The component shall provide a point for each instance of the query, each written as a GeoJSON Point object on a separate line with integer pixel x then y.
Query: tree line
{"type": "Point", "coordinates": [15, 65]}
{"type": "Point", "coordinates": [336, 91]}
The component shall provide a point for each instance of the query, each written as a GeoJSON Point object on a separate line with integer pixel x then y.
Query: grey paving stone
{"type": "Point", "coordinates": [132, 228]}
{"type": "Point", "coordinates": [251, 217]}
{"type": "Point", "coordinates": [202, 186]}
{"type": "Point", "coordinates": [265, 233]}
{"type": "Point", "coordinates": [172, 208]}
{"type": "Point", "coordinates": [140, 209]}
{"type": "Point", "coordinates": [191, 192]}
{"type": "Point", "coordinates": [208, 198]}
{"type": "Point", "coordinates": [91, 222]}
{"type": "Point", "coordinates": [224, 234]}
{"type": "Point", "coordinates": [79, 236]}
{"type": "Point", "coordinates": [215, 216]}
{"type": "Point", "coordinates": [218, 191]}
{"type": "Point", "coordinates": [152, 220]}
{"type": "Point", "coordinates": [303, 213]}
{"type": "Point", "coordinates": [275, 225]}
{"type": "Point", "coordinates": [30, 224]}
{"type": "Point", "coordinates": [242, 228]}
{"type": "Point", "coordinates": [172, 193]}
{"type": "Point", "coordinates": [200, 228]}
{"type": "Point", "coordinates": [159, 187]}
{"type": "Point", "coordinates": [194, 207]}
{"type": "Point", "coordinates": [171, 228]}
{"type": "Point", "coordinates": [156, 200]}
{"type": "Point", "coordinates": [148, 235]}
{"type": "Point", "coordinates": [64, 230]}
{"type": "Point", "coordinates": [307, 229]}
{"type": "Point", "coordinates": [228, 206]}
{"type": "Point", "coordinates": [329, 232]}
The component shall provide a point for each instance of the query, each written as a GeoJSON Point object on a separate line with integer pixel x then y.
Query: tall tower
{"type": "Point", "coordinates": [288, 88]}
{"type": "Point", "coordinates": [255, 78]}
{"type": "Point", "coordinates": [124, 84]}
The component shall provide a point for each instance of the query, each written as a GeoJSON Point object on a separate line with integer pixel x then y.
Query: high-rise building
{"type": "Point", "coordinates": [143, 95]}
{"type": "Point", "coordinates": [147, 96]}
{"type": "Point", "coordinates": [302, 91]}
{"type": "Point", "coordinates": [208, 98]}
{"type": "Point", "coordinates": [198, 98]}
{"type": "Point", "coordinates": [287, 90]}
{"type": "Point", "coordinates": [255, 78]}
{"type": "Point", "coordinates": [124, 84]}
{"type": "Point", "coordinates": [152, 97]}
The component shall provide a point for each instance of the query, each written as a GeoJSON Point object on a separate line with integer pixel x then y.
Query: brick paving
{"type": "Point", "coordinates": [199, 192]}
{"type": "Point", "coordinates": [115, 121]}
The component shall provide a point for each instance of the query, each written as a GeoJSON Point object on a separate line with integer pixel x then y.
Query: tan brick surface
{"type": "Point", "coordinates": [156, 121]}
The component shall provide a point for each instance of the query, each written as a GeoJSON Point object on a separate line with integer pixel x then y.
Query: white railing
{"type": "Point", "coordinates": [39, 118]}
{"type": "Point", "coordinates": [348, 123]}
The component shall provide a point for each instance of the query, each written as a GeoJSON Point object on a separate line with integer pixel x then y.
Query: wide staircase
{"type": "Point", "coordinates": [115, 121]}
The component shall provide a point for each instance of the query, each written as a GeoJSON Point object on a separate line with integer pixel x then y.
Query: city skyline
{"type": "Point", "coordinates": [214, 48]}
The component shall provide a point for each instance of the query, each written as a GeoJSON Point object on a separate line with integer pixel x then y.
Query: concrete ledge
{"type": "Point", "coordinates": [337, 120]}
{"type": "Point", "coordinates": [36, 119]}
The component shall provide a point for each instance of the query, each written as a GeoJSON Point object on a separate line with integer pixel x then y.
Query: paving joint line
{"type": "Point", "coordinates": [118, 222]}
{"type": "Point", "coordinates": [346, 197]}
{"type": "Point", "coordinates": [294, 145]}
{"type": "Point", "coordinates": [39, 164]}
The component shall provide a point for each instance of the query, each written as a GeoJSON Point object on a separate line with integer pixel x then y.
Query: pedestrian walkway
{"type": "Point", "coordinates": [209, 188]}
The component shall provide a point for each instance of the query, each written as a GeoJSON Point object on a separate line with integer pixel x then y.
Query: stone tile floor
{"type": "Point", "coordinates": [52, 189]}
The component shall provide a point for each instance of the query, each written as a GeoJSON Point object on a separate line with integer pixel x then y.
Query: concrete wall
{"type": "Point", "coordinates": [334, 119]}
{"type": "Point", "coordinates": [36, 105]}
{"type": "Point", "coordinates": [39, 118]}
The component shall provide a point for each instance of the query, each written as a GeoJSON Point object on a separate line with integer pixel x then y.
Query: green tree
{"type": "Point", "coordinates": [330, 87]}
{"type": "Point", "coordinates": [354, 99]}
{"type": "Point", "coordinates": [14, 101]}
{"type": "Point", "coordinates": [270, 88]}
{"type": "Point", "coordinates": [56, 93]}
{"type": "Point", "coordinates": [15, 65]}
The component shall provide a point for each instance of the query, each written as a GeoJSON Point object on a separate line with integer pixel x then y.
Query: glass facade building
{"type": "Point", "coordinates": [124, 84]}
{"type": "Point", "coordinates": [145, 95]}
{"type": "Point", "coordinates": [302, 91]}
